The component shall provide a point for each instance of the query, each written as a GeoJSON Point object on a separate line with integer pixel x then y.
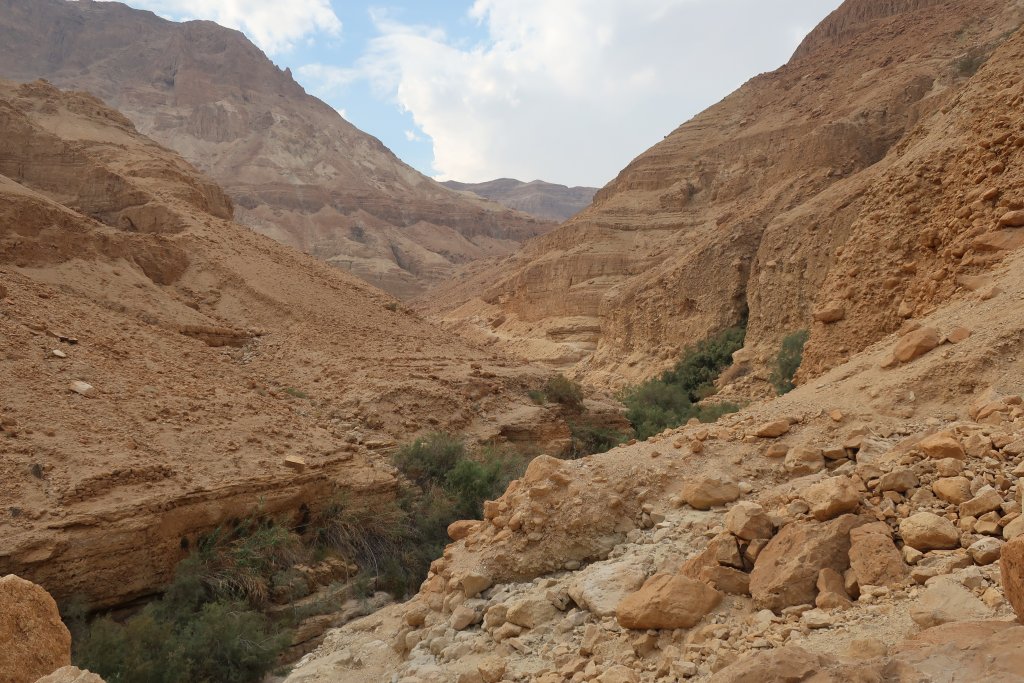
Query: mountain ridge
{"type": "Point", "coordinates": [295, 169]}
{"type": "Point", "coordinates": [539, 198]}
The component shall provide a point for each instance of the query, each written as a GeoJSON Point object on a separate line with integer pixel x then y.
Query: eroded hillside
{"type": "Point", "coordinates": [537, 198]}
{"type": "Point", "coordinates": [295, 169]}
{"type": "Point", "coordinates": [755, 209]}
{"type": "Point", "coordinates": [165, 369]}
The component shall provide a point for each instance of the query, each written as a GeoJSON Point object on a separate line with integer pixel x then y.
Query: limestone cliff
{"type": "Point", "coordinates": [296, 170]}
{"type": "Point", "coordinates": [742, 212]}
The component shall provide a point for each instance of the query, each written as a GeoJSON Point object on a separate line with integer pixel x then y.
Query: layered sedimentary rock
{"type": "Point", "coordinates": [295, 169]}
{"type": "Point", "coordinates": [776, 205]}
{"type": "Point", "coordinates": [166, 370]}
{"type": "Point", "coordinates": [537, 198]}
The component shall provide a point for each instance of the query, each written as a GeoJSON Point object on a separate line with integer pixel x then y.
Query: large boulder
{"type": "Point", "coordinates": [667, 601]}
{"type": "Point", "coordinates": [71, 674]}
{"type": "Point", "coordinates": [748, 521]}
{"type": "Point", "coordinates": [927, 531]}
{"type": "Point", "coordinates": [831, 497]}
{"type": "Point", "coordinates": [34, 642]}
{"type": "Point", "coordinates": [704, 493]}
{"type": "Point", "coordinates": [789, 664]}
{"type": "Point", "coordinates": [874, 557]}
{"type": "Point", "coordinates": [600, 587]}
{"type": "Point", "coordinates": [916, 343]}
{"type": "Point", "coordinates": [962, 652]}
{"type": "Point", "coordinates": [942, 445]}
{"type": "Point", "coordinates": [945, 601]}
{"type": "Point", "coordinates": [786, 571]}
{"type": "Point", "coordinates": [1011, 569]}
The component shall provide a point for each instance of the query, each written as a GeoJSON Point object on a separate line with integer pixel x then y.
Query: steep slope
{"type": "Point", "coordinates": [294, 168]}
{"type": "Point", "coordinates": [537, 198]}
{"type": "Point", "coordinates": [848, 531]}
{"type": "Point", "coordinates": [213, 355]}
{"type": "Point", "coordinates": [739, 213]}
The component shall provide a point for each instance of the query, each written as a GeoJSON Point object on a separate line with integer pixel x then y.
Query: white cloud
{"type": "Point", "coordinates": [412, 136]}
{"type": "Point", "coordinates": [274, 25]}
{"type": "Point", "coordinates": [571, 91]}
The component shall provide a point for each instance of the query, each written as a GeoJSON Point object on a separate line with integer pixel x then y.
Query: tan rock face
{"type": "Point", "coordinates": [954, 490]}
{"type": "Point", "coordinates": [667, 601]}
{"type": "Point", "coordinates": [35, 640]}
{"type": "Point", "coordinates": [947, 601]}
{"type": "Point", "coordinates": [925, 531]}
{"type": "Point", "coordinates": [1011, 569]}
{"type": "Point", "coordinates": [831, 590]}
{"type": "Point", "coordinates": [681, 243]}
{"type": "Point", "coordinates": [804, 460]}
{"type": "Point", "coordinates": [770, 430]}
{"type": "Point", "coordinates": [782, 665]}
{"type": "Point", "coordinates": [942, 445]}
{"type": "Point", "coordinates": [915, 344]}
{"type": "Point", "coordinates": [986, 500]}
{"type": "Point", "coordinates": [703, 493]}
{"type": "Point", "coordinates": [748, 521]}
{"type": "Point", "coordinates": [832, 497]}
{"type": "Point", "coordinates": [874, 558]}
{"type": "Point", "coordinates": [786, 571]}
{"type": "Point", "coordinates": [600, 588]}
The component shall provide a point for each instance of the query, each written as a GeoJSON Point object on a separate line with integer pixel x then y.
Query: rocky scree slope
{"type": "Point", "coordinates": [165, 369]}
{"type": "Point", "coordinates": [295, 169]}
{"type": "Point", "coordinates": [765, 206]}
{"type": "Point", "coordinates": [865, 527]}
{"type": "Point", "coordinates": [537, 198]}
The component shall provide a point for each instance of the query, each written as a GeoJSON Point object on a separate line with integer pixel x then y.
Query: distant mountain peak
{"type": "Point", "coordinates": [539, 198]}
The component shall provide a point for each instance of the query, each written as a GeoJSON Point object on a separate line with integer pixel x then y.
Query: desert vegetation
{"type": "Point", "coordinates": [674, 397]}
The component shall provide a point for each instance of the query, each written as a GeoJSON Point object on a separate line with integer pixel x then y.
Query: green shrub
{"type": "Point", "coordinates": [670, 400]}
{"type": "Point", "coordinates": [537, 396]}
{"type": "Point", "coordinates": [562, 390]}
{"type": "Point", "coordinates": [221, 641]}
{"type": "Point", "coordinates": [240, 563]}
{"type": "Point", "coordinates": [429, 459]}
{"type": "Point", "coordinates": [788, 361]}
{"type": "Point", "coordinates": [187, 635]}
{"type": "Point", "coordinates": [589, 437]}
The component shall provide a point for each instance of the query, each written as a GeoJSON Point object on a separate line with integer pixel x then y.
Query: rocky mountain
{"type": "Point", "coordinates": [166, 369]}
{"type": "Point", "coordinates": [294, 168]}
{"type": "Point", "coordinates": [775, 206]}
{"type": "Point", "coordinates": [537, 198]}
{"type": "Point", "coordinates": [866, 526]}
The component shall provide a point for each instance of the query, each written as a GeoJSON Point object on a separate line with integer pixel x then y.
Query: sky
{"type": "Point", "coordinates": [568, 91]}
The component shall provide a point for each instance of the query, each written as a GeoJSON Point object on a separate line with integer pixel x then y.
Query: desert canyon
{"type": "Point", "coordinates": [274, 406]}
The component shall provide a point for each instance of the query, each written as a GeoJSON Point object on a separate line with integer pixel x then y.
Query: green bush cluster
{"type": "Point", "coordinates": [788, 360]}
{"type": "Point", "coordinates": [562, 390]}
{"type": "Point", "coordinates": [590, 437]}
{"type": "Point", "coordinates": [447, 484]}
{"type": "Point", "coordinates": [672, 399]}
{"type": "Point", "coordinates": [188, 635]}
